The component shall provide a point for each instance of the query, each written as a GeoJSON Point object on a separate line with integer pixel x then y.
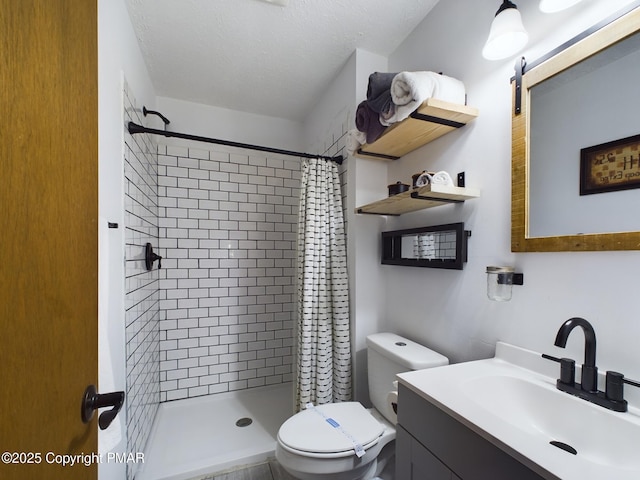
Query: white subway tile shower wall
{"type": "Point", "coordinates": [142, 296]}
{"type": "Point", "coordinates": [228, 222]}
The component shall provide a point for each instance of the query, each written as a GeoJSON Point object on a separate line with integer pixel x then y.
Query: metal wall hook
{"type": "Point", "coordinates": [92, 401]}
{"type": "Point", "coordinates": [150, 257]}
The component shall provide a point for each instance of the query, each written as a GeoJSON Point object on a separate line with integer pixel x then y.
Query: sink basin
{"type": "Point", "coordinates": [594, 433]}
{"type": "Point", "coordinates": [512, 401]}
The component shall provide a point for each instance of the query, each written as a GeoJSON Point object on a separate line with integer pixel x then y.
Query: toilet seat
{"type": "Point", "coordinates": [330, 431]}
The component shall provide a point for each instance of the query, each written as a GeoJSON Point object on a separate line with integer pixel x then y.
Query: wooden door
{"type": "Point", "coordinates": [48, 235]}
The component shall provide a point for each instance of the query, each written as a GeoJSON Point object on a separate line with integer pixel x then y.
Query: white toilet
{"type": "Point", "coordinates": [321, 442]}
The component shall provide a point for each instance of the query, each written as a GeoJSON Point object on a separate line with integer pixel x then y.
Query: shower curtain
{"type": "Point", "coordinates": [324, 347]}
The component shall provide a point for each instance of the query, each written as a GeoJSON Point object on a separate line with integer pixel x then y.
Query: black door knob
{"type": "Point", "coordinates": [92, 401]}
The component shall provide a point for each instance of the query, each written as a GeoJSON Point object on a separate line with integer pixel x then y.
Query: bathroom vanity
{"type": "Point", "coordinates": [430, 444]}
{"type": "Point", "coordinates": [504, 418]}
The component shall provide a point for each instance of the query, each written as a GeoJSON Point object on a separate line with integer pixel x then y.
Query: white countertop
{"type": "Point", "coordinates": [512, 401]}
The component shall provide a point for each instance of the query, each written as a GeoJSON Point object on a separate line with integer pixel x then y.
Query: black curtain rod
{"type": "Point", "coordinates": [135, 128]}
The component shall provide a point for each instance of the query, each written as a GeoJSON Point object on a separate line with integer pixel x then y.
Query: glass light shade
{"type": "Point", "coordinates": [507, 35]}
{"type": "Point", "coordinates": [552, 6]}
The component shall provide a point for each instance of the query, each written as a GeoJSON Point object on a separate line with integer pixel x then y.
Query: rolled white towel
{"type": "Point", "coordinates": [438, 178]}
{"type": "Point", "coordinates": [410, 89]}
{"type": "Point", "coordinates": [441, 178]}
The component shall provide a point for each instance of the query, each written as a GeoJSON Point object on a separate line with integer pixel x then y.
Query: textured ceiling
{"type": "Point", "coordinates": [259, 57]}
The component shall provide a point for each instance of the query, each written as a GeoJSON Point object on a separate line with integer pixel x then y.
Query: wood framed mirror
{"type": "Point", "coordinates": [573, 110]}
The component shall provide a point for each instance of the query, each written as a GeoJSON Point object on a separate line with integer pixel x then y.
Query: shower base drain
{"type": "Point", "coordinates": [244, 422]}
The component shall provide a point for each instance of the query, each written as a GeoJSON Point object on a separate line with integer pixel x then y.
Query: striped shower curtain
{"type": "Point", "coordinates": [324, 348]}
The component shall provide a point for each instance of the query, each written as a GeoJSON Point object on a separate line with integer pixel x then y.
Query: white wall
{"type": "Point", "coordinates": [448, 310]}
{"type": "Point", "coordinates": [118, 57]}
{"type": "Point", "coordinates": [231, 125]}
{"type": "Point", "coordinates": [366, 179]}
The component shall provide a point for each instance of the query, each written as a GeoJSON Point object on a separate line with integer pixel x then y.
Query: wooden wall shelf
{"type": "Point", "coordinates": [431, 120]}
{"type": "Point", "coordinates": [418, 199]}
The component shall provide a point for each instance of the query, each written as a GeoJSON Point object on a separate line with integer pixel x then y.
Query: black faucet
{"type": "Point", "coordinates": [589, 369]}
{"type": "Point", "coordinates": [612, 398]}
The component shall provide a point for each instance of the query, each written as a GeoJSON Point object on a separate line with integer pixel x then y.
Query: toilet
{"type": "Point", "coordinates": [346, 441]}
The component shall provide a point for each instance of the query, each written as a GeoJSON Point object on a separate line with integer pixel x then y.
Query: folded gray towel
{"type": "Point", "coordinates": [368, 121]}
{"type": "Point", "coordinates": [379, 92]}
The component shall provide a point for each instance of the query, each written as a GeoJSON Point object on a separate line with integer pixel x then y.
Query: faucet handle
{"type": "Point", "coordinates": [615, 385]}
{"type": "Point", "coordinates": [567, 371]}
{"type": "Point", "coordinates": [567, 368]}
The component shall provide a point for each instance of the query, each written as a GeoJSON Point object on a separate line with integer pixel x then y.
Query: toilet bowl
{"type": "Point", "coordinates": [346, 441]}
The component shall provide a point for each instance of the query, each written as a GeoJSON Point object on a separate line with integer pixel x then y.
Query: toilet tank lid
{"type": "Point", "coordinates": [405, 352]}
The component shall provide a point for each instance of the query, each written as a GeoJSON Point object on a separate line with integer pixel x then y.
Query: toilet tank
{"type": "Point", "coordinates": [389, 354]}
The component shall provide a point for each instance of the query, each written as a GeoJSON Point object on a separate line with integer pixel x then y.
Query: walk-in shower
{"type": "Point", "coordinates": [210, 334]}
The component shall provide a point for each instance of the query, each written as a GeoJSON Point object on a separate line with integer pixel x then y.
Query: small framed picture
{"type": "Point", "coordinates": [610, 166]}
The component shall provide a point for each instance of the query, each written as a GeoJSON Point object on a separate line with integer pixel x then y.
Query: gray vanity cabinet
{"type": "Point", "coordinates": [432, 445]}
{"type": "Point", "coordinates": [414, 461]}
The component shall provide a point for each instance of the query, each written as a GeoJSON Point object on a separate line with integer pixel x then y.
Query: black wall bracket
{"type": "Point", "coordinates": [520, 65]}
{"type": "Point", "coordinates": [150, 257]}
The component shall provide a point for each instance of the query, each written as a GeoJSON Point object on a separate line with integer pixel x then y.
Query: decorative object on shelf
{"type": "Point", "coordinates": [552, 6]}
{"type": "Point", "coordinates": [500, 281]}
{"type": "Point", "coordinates": [507, 35]}
{"type": "Point", "coordinates": [439, 246]}
{"type": "Point", "coordinates": [396, 188]}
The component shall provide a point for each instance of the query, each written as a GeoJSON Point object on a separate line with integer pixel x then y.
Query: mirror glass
{"type": "Point", "coordinates": [429, 246]}
{"type": "Point", "coordinates": [592, 103]}
{"type": "Point", "coordinates": [438, 246]}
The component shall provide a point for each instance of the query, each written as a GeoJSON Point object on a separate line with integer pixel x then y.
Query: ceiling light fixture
{"type": "Point", "coordinates": [552, 6]}
{"type": "Point", "coordinates": [283, 3]}
{"type": "Point", "coordinates": [507, 35]}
